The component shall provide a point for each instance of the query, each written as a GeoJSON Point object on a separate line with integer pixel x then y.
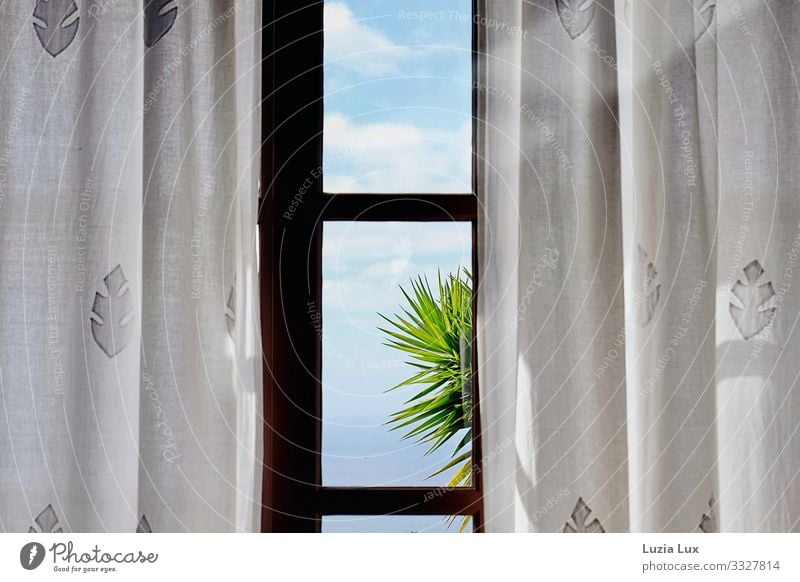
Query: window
{"type": "Point", "coordinates": [331, 192]}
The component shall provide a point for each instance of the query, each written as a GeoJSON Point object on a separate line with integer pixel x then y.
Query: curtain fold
{"type": "Point", "coordinates": [670, 257]}
{"type": "Point", "coordinates": [129, 351]}
{"type": "Point", "coordinates": [759, 238]}
{"type": "Point", "coordinates": [635, 312]}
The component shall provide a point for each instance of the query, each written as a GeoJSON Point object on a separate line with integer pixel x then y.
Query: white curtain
{"type": "Point", "coordinates": [129, 351]}
{"type": "Point", "coordinates": [639, 239]}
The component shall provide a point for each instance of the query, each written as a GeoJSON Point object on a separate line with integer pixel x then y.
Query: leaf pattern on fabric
{"type": "Point", "coordinates": [648, 292]}
{"type": "Point", "coordinates": [144, 525]}
{"type": "Point", "coordinates": [230, 311]}
{"type": "Point", "coordinates": [55, 26]}
{"type": "Point", "coordinates": [47, 522]}
{"type": "Point", "coordinates": [749, 308]}
{"type": "Point", "coordinates": [627, 13]}
{"type": "Point", "coordinates": [112, 329]}
{"type": "Point", "coordinates": [575, 15]}
{"type": "Point", "coordinates": [580, 515]}
{"type": "Point", "coordinates": [159, 17]}
{"type": "Point", "coordinates": [704, 16]}
{"type": "Point", "coordinates": [708, 523]}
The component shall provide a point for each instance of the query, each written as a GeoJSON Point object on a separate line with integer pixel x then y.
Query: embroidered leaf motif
{"type": "Point", "coordinates": [230, 311]}
{"type": "Point", "coordinates": [580, 515]}
{"type": "Point", "coordinates": [704, 16]}
{"type": "Point", "coordinates": [159, 16]}
{"type": "Point", "coordinates": [627, 13]}
{"type": "Point", "coordinates": [112, 330]}
{"type": "Point", "coordinates": [47, 522]}
{"type": "Point", "coordinates": [649, 290]}
{"type": "Point", "coordinates": [144, 526]}
{"type": "Point", "coordinates": [575, 15]}
{"type": "Point", "coordinates": [56, 27]}
{"type": "Point", "coordinates": [750, 313]}
{"type": "Point", "coordinates": [708, 523]}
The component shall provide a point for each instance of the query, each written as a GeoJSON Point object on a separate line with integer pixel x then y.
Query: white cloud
{"type": "Point", "coordinates": [360, 297]}
{"type": "Point", "coordinates": [395, 157]}
{"type": "Point", "coordinates": [353, 44]}
{"type": "Point", "coordinates": [366, 263]}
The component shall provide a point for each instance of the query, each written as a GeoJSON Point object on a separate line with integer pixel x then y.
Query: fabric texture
{"type": "Point", "coordinates": [129, 348]}
{"type": "Point", "coordinates": [639, 239]}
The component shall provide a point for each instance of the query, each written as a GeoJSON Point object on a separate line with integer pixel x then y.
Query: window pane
{"type": "Point", "coordinates": [393, 524]}
{"type": "Point", "coordinates": [365, 265]}
{"type": "Point", "coordinates": [398, 104]}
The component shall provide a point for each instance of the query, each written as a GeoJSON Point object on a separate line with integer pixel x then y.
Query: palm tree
{"type": "Point", "coordinates": [436, 333]}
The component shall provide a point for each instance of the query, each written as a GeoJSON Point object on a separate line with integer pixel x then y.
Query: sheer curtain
{"type": "Point", "coordinates": [129, 351]}
{"type": "Point", "coordinates": [640, 235]}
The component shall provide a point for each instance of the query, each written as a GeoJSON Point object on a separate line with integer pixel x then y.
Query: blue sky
{"type": "Point", "coordinates": [364, 265]}
{"type": "Point", "coordinates": [397, 96]}
{"type": "Point", "coordinates": [398, 119]}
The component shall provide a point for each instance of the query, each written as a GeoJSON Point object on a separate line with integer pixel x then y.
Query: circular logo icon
{"type": "Point", "coordinates": [31, 555]}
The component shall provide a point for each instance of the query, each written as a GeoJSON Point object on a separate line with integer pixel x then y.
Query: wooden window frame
{"type": "Point", "coordinates": [291, 213]}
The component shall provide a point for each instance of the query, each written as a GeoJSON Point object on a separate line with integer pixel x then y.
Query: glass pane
{"type": "Point", "coordinates": [398, 99]}
{"type": "Point", "coordinates": [365, 265]}
{"type": "Point", "coordinates": [394, 524]}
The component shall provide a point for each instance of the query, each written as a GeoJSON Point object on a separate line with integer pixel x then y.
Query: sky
{"type": "Point", "coordinates": [364, 266]}
{"type": "Point", "coordinates": [363, 269]}
{"type": "Point", "coordinates": [397, 96]}
{"type": "Point", "coordinates": [397, 119]}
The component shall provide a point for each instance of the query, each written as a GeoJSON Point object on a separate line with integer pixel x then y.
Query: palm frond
{"type": "Point", "coordinates": [432, 330]}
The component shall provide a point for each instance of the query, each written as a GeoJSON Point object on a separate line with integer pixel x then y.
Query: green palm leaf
{"type": "Point", "coordinates": [435, 332]}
